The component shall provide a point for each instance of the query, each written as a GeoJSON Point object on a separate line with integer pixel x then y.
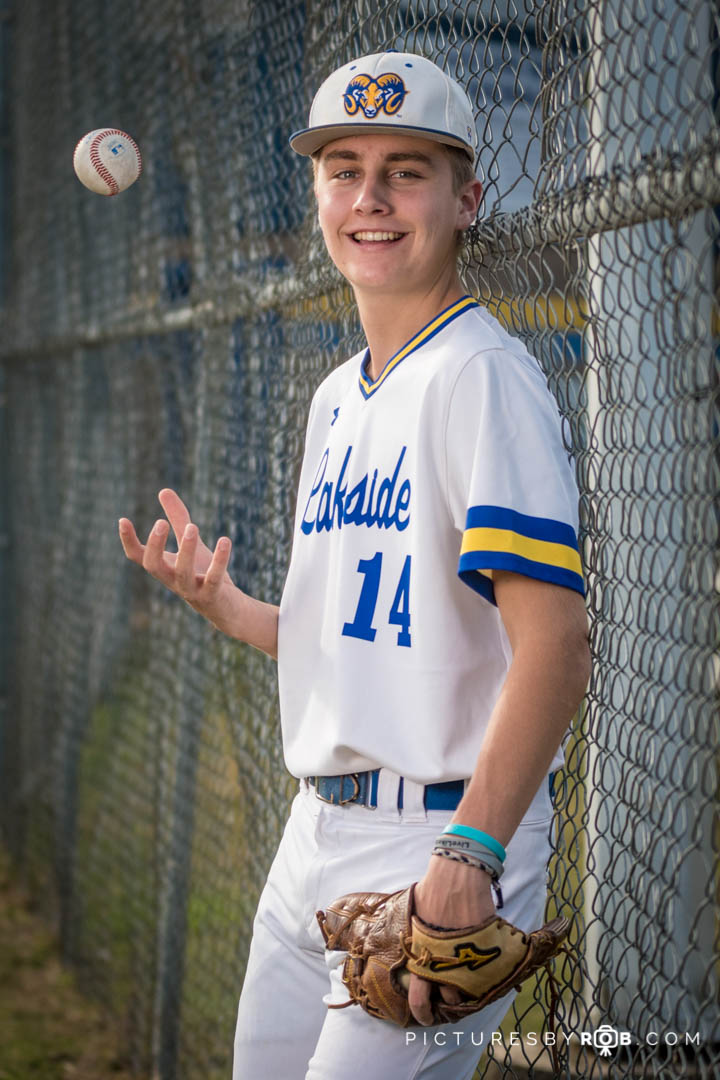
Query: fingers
{"type": "Point", "coordinates": [451, 995]}
{"type": "Point", "coordinates": [129, 540]}
{"type": "Point", "coordinates": [177, 512]}
{"type": "Point", "coordinates": [419, 1000]}
{"type": "Point", "coordinates": [151, 556]}
{"type": "Point", "coordinates": [154, 555]}
{"type": "Point", "coordinates": [194, 573]}
{"type": "Point", "coordinates": [185, 562]}
{"type": "Point", "coordinates": [218, 566]}
{"type": "Point", "coordinates": [419, 991]}
{"type": "Point", "coordinates": [188, 578]}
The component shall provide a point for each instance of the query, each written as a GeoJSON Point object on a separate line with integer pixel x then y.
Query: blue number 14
{"type": "Point", "coordinates": [361, 626]}
{"type": "Point", "coordinates": [400, 610]}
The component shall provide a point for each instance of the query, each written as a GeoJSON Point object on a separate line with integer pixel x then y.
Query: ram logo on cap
{"type": "Point", "coordinates": [384, 94]}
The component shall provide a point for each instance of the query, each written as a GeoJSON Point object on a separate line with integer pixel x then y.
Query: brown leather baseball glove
{"type": "Point", "coordinates": [385, 941]}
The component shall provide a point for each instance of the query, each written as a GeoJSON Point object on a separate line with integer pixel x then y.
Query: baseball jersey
{"type": "Point", "coordinates": [414, 489]}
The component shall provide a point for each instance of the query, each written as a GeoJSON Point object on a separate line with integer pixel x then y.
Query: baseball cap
{"type": "Point", "coordinates": [388, 92]}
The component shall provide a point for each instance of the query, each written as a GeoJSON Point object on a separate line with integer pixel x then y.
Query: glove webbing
{"type": "Point", "coordinates": [362, 909]}
{"type": "Point", "coordinates": [331, 939]}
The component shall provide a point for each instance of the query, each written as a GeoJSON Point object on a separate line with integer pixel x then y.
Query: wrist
{"type": "Point", "coordinates": [458, 845]}
{"type": "Point", "coordinates": [452, 895]}
{"type": "Point", "coordinates": [448, 876]}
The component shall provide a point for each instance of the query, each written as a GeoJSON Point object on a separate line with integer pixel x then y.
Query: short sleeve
{"type": "Point", "coordinates": [510, 480]}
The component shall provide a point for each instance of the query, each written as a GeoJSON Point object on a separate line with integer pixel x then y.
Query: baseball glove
{"type": "Point", "coordinates": [385, 941]}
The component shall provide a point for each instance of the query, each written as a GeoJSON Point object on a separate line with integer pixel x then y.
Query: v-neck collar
{"type": "Point", "coordinates": [368, 387]}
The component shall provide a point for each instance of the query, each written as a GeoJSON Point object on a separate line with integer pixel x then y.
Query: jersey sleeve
{"type": "Point", "coordinates": [510, 481]}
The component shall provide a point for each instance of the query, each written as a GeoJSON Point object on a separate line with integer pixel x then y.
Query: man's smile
{"type": "Point", "coordinates": [376, 237]}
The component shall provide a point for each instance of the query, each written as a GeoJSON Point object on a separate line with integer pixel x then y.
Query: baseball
{"type": "Point", "coordinates": [107, 161]}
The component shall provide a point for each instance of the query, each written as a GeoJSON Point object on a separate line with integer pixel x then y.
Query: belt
{"type": "Point", "coordinates": [361, 788]}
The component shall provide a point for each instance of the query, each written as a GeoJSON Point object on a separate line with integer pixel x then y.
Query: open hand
{"type": "Point", "coordinates": [195, 573]}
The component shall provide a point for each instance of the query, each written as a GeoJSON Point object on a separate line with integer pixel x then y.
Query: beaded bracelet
{"type": "Point", "coordinates": [469, 847]}
{"type": "Point", "coordinates": [468, 861]}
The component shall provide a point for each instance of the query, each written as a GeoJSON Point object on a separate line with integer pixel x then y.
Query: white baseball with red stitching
{"type": "Point", "coordinates": [107, 161]}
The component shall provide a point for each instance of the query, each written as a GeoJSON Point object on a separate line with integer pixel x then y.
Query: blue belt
{"type": "Point", "coordinates": [361, 788]}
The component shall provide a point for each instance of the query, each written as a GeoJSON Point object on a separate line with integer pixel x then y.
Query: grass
{"type": "Point", "coordinates": [48, 1029]}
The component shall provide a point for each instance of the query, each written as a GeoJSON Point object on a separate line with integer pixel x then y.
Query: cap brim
{"type": "Point", "coordinates": [309, 140]}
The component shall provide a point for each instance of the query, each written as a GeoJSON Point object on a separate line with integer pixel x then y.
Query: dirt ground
{"type": "Point", "coordinates": [48, 1030]}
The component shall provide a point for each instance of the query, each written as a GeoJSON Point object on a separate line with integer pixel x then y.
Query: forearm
{"type": "Point", "coordinates": [261, 629]}
{"type": "Point", "coordinates": [547, 631]}
{"type": "Point", "coordinates": [249, 620]}
{"type": "Point", "coordinates": [542, 692]}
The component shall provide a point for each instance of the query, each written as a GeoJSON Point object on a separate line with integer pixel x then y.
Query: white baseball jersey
{"type": "Point", "coordinates": [414, 488]}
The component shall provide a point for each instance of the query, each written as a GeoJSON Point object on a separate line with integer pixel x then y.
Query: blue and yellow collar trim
{"type": "Point", "coordinates": [368, 387]}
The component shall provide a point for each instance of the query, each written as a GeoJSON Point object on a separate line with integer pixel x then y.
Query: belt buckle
{"type": "Point", "coordinates": [342, 802]}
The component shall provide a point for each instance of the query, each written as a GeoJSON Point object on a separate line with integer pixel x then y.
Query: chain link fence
{"type": "Point", "coordinates": [173, 336]}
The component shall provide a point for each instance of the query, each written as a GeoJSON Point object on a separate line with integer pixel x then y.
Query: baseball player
{"type": "Point", "coordinates": [431, 637]}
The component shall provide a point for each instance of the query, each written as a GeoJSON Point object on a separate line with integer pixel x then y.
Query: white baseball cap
{"type": "Point", "coordinates": [388, 92]}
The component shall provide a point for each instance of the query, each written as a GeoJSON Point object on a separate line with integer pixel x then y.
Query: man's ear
{"type": "Point", "coordinates": [469, 200]}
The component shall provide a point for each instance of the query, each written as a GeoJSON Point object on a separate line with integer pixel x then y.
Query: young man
{"type": "Point", "coordinates": [432, 638]}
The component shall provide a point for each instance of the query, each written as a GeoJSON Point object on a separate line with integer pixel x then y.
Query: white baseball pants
{"type": "Point", "coordinates": [285, 1030]}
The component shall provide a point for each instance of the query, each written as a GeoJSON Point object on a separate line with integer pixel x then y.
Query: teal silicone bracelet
{"type": "Point", "coordinates": [481, 837]}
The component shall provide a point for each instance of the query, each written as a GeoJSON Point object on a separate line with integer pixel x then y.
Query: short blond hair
{"type": "Point", "coordinates": [463, 170]}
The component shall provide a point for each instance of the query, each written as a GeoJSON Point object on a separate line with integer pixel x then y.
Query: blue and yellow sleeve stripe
{"type": "Point", "coordinates": [497, 538]}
